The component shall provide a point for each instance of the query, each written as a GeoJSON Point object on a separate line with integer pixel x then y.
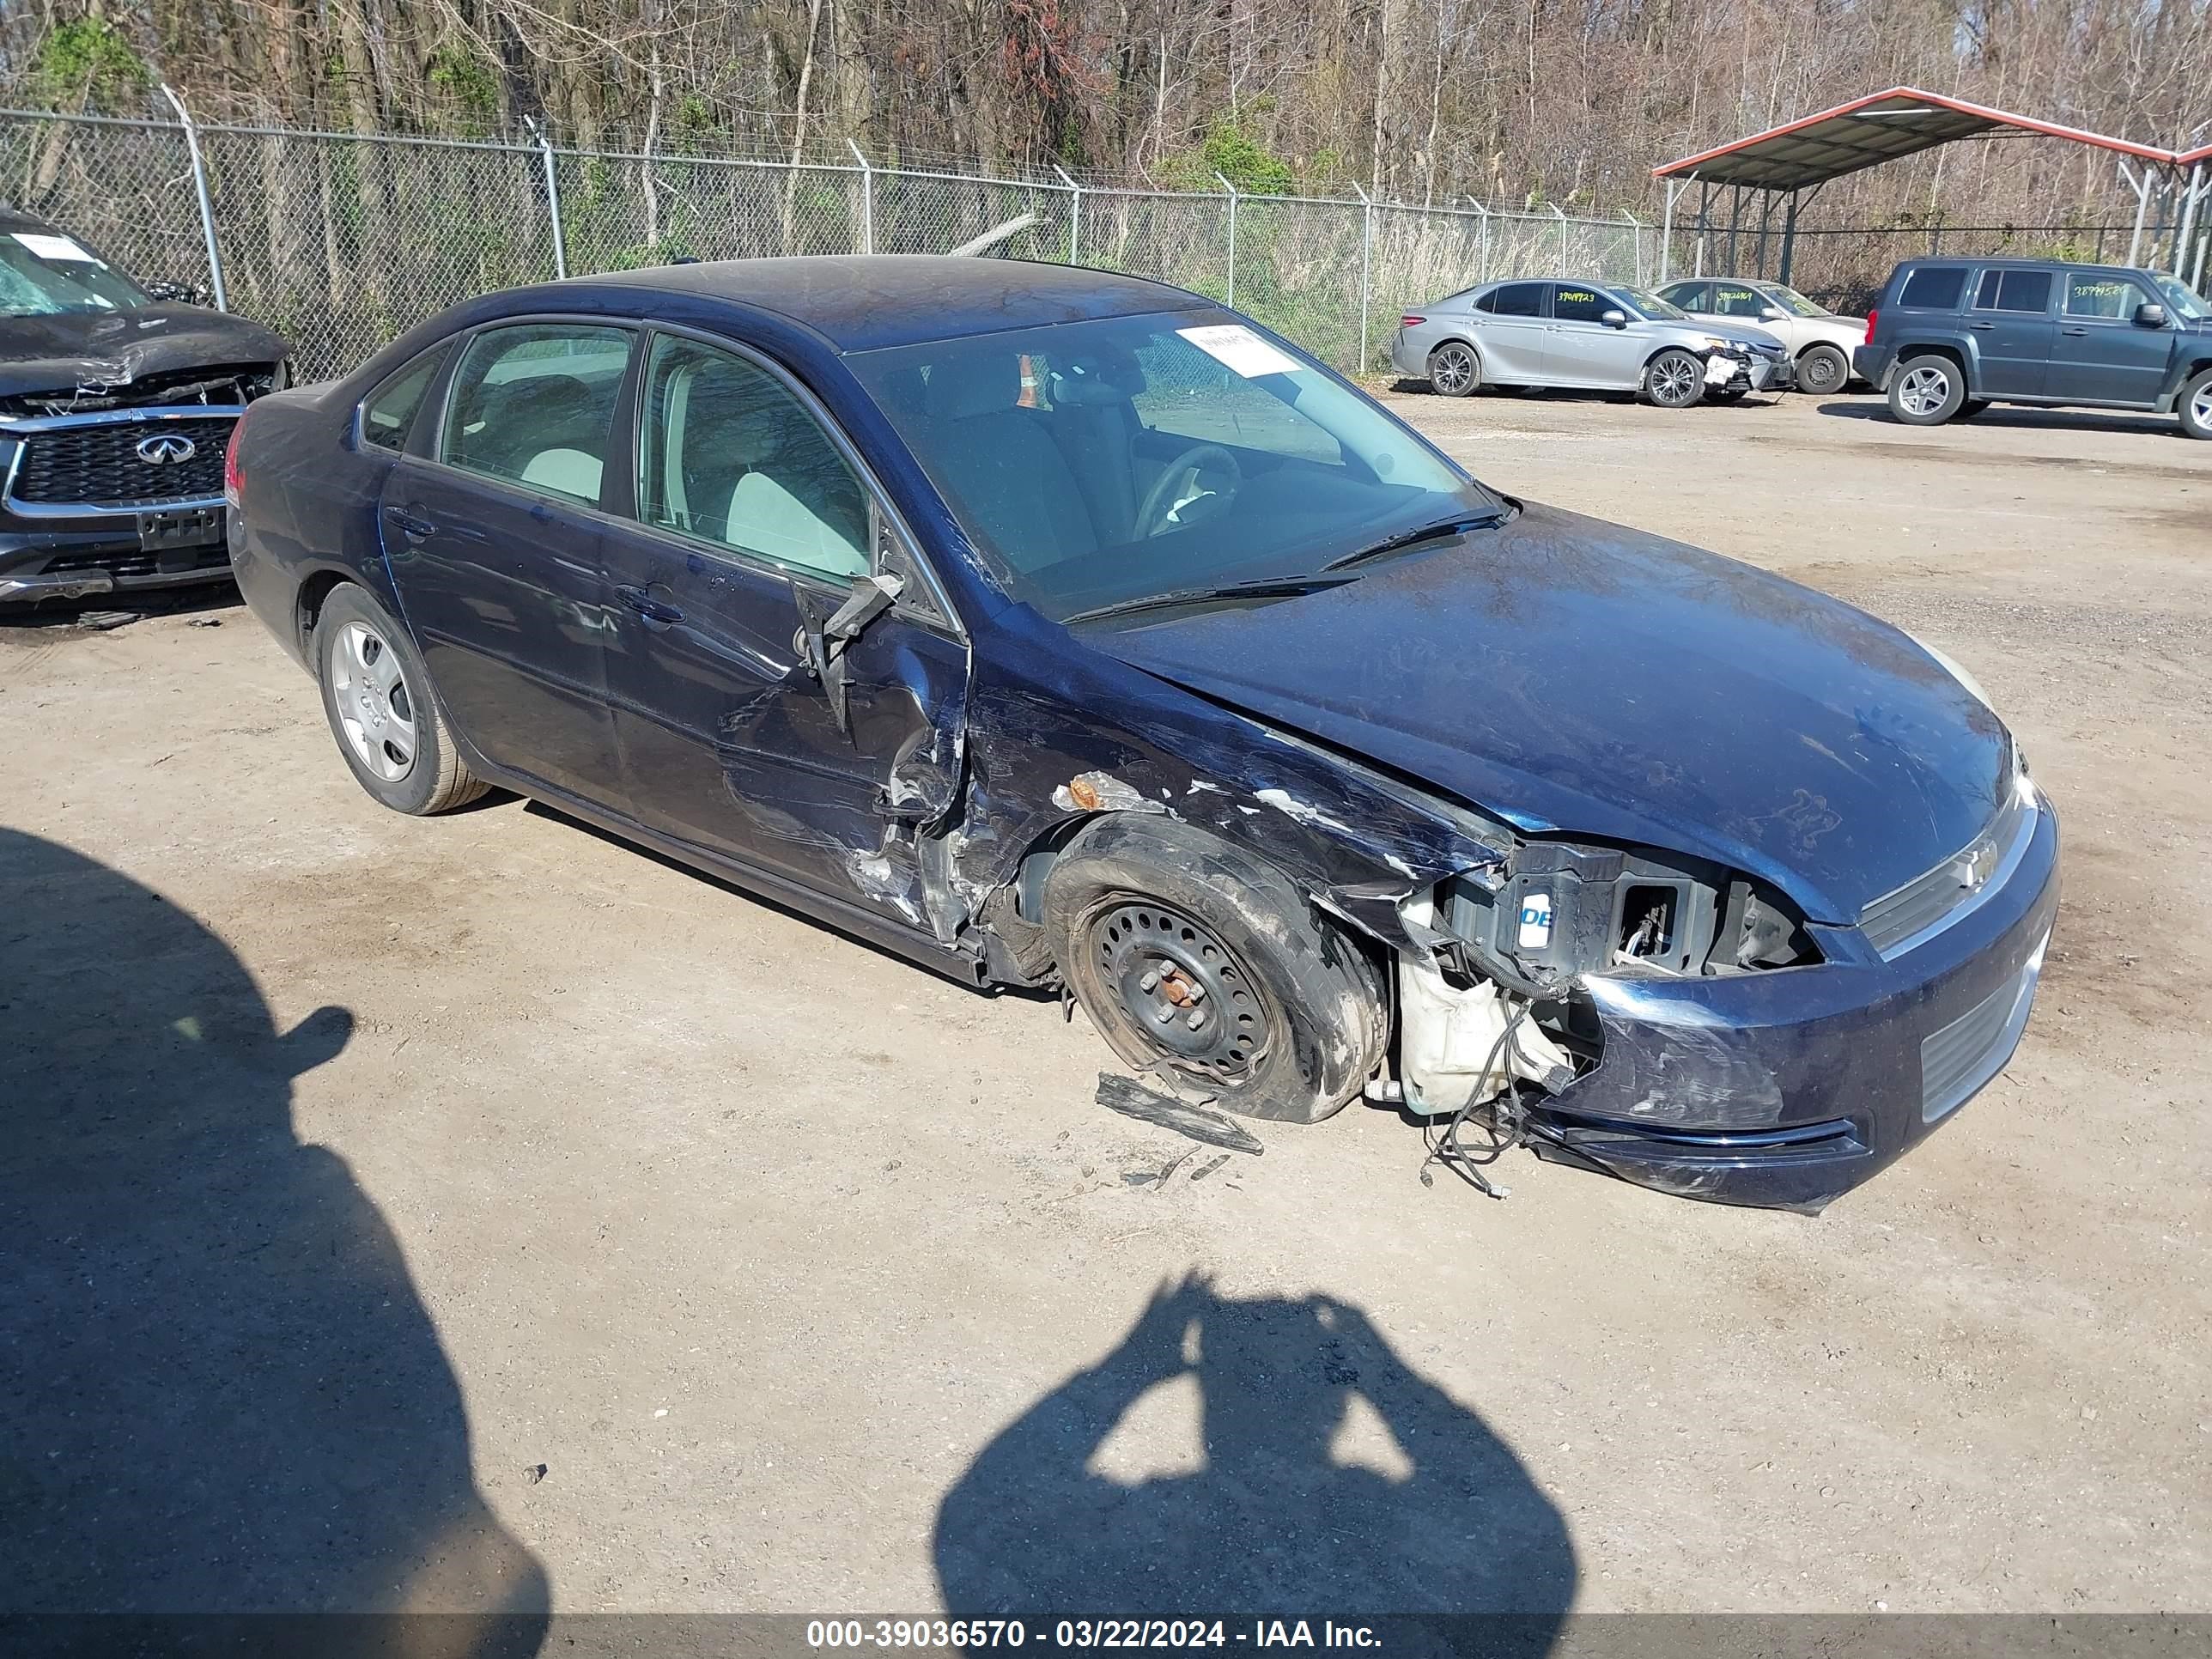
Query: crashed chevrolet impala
{"type": "Point", "coordinates": [1054, 627]}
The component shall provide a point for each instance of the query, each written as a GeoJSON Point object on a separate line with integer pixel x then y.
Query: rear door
{"type": "Point", "coordinates": [1510, 331]}
{"type": "Point", "coordinates": [2102, 353]}
{"type": "Point", "coordinates": [753, 518]}
{"type": "Point", "coordinates": [492, 527]}
{"type": "Point", "coordinates": [2013, 330]}
{"type": "Point", "coordinates": [1580, 351]}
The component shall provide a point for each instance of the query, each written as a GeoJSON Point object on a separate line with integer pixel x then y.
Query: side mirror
{"type": "Point", "coordinates": [1613, 319]}
{"type": "Point", "coordinates": [2150, 316]}
{"type": "Point", "coordinates": [1772, 314]}
{"type": "Point", "coordinates": [824, 634]}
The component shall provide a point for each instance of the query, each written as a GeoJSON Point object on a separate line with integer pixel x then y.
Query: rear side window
{"type": "Point", "coordinates": [2092, 293]}
{"type": "Point", "coordinates": [534, 405]}
{"type": "Point", "coordinates": [2014, 290]}
{"type": "Point", "coordinates": [1570, 304]}
{"type": "Point", "coordinates": [1934, 288]}
{"type": "Point", "coordinates": [1514, 299]}
{"type": "Point", "coordinates": [389, 413]}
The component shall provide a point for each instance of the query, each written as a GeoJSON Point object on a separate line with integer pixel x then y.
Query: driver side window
{"type": "Point", "coordinates": [1734, 300]}
{"type": "Point", "coordinates": [729, 457]}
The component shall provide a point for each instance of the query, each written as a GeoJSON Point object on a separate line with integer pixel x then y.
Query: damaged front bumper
{"type": "Point", "coordinates": [1787, 1088]}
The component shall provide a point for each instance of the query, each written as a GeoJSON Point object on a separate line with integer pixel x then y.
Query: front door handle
{"type": "Point", "coordinates": [657, 611]}
{"type": "Point", "coordinates": [1981, 324]}
{"type": "Point", "coordinates": [2073, 330]}
{"type": "Point", "coordinates": [415, 529]}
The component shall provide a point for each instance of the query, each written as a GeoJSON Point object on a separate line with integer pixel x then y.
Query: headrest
{"type": "Point", "coordinates": [743, 413]}
{"type": "Point", "coordinates": [976, 382]}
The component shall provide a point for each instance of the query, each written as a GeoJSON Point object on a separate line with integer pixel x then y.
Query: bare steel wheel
{"type": "Point", "coordinates": [1822, 369]}
{"type": "Point", "coordinates": [1180, 985]}
{"type": "Point", "coordinates": [382, 709]}
{"type": "Point", "coordinates": [375, 712]}
{"type": "Point", "coordinates": [1452, 368]}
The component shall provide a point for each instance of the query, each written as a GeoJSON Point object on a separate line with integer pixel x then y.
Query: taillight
{"type": "Point", "coordinates": [1409, 322]}
{"type": "Point", "coordinates": [1871, 314]}
{"type": "Point", "coordinates": [234, 480]}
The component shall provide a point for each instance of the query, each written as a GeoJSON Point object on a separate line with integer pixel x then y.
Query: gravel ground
{"type": "Point", "coordinates": [474, 1213]}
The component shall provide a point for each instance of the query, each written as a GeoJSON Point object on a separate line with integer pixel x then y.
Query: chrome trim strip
{"type": "Point", "coordinates": [24, 429]}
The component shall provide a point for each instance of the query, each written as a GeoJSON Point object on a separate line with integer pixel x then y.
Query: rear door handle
{"type": "Point", "coordinates": [653, 609]}
{"type": "Point", "coordinates": [2073, 330]}
{"type": "Point", "coordinates": [407, 525]}
{"type": "Point", "coordinates": [1981, 324]}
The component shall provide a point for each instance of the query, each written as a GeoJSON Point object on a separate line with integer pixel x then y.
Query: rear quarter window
{"type": "Point", "coordinates": [1934, 288]}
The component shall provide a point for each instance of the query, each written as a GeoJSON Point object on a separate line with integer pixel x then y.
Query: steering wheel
{"type": "Point", "coordinates": [1168, 492]}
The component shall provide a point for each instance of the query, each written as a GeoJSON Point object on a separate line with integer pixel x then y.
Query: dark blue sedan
{"type": "Point", "coordinates": [1054, 627]}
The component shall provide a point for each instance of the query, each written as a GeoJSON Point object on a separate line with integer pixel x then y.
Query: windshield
{"type": "Point", "coordinates": [1099, 462]}
{"type": "Point", "coordinates": [43, 273]}
{"type": "Point", "coordinates": [1794, 303]}
{"type": "Point", "coordinates": [2185, 301]}
{"type": "Point", "coordinates": [1650, 305]}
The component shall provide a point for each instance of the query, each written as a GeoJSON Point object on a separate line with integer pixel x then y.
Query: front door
{"type": "Point", "coordinates": [2103, 354]}
{"type": "Point", "coordinates": [1580, 350]}
{"type": "Point", "coordinates": [752, 517]}
{"type": "Point", "coordinates": [2013, 331]}
{"type": "Point", "coordinates": [492, 530]}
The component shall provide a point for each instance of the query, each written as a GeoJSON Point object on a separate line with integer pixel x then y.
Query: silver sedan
{"type": "Point", "coordinates": [1548, 332]}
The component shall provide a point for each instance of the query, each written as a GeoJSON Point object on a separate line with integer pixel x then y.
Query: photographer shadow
{"type": "Point", "coordinates": [223, 1395]}
{"type": "Point", "coordinates": [1336, 1481]}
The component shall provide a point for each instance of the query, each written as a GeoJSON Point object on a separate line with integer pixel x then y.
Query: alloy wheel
{"type": "Point", "coordinates": [1924, 390]}
{"type": "Point", "coordinates": [2200, 406]}
{"type": "Point", "coordinates": [1172, 979]}
{"type": "Point", "coordinates": [1451, 370]}
{"type": "Point", "coordinates": [1673, 381]}
{"type": "Point", "coordinates": [375, 709]}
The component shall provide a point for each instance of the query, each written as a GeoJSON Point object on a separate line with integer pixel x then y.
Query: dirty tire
{"type": "Point", "coordinates": [2195, 405]}
{"type": "Point", "coordinates": [1927, 391]}
{"type": "Point", "coordinates": [1137, 893]}
{"type": "Point", "coordinates": [1822, 369]}
{"type": "Point", "coordinates": [1454, 369]}
{"type": "Point", "coordinates": [1674, 380]}
{"type": "Point", "coordinates": [377, 697]}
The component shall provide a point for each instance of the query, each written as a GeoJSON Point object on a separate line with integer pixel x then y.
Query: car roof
{"type": "Point", "coordinates": [1996, 261]}
{"type": "Point", "coordinates": [866, 302]}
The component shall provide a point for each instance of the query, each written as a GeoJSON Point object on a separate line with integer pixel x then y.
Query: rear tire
{"type": "Point", "coordinates": [377, 696]}
{"type": "Point", "coordinates": [1289, 1014]}
{"type": "Point", "coordinates": [1927, 390]}
{"type": "Point", "coordinates": [1674, 380]}
{"type": "Point", "coordinates": [2195, 405]}
{"type": "Point", "coordinates": [1454, 369]}
{"type": "Point", "coordinates": [1822, 370]}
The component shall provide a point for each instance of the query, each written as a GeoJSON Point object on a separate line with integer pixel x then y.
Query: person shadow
{"type": "Point", "coordinates": [1334, 1480]}
{"type": "Point", "coordinates": [223, 1395]}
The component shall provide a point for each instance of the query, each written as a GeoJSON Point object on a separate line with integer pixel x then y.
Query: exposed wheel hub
{"type": "Point", "coordinates": [1178, 984]}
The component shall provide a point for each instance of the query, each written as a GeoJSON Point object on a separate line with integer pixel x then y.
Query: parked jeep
{"type": "Point", "coordinates": [1952, 336]}
{"type": "Point", "coordinates": [115, 408]}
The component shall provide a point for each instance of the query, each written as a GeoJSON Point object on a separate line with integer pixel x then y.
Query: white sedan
{"type": "Point", "coordinates": [1819, 341]}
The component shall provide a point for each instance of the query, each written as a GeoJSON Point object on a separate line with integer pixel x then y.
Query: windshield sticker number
{"type": "Point", "coordinates": [57, 248]}
{"type": "Point", "coordinates": [1241, 351]}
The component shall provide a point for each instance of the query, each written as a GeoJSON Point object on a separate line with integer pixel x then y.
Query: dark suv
{"type": "Point", "coordinates": [115, 408]}
{"type": "Point", "coordinates": [1952, 336]}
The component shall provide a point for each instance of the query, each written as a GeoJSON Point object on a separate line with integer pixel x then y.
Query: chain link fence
{"type": "Point", "coordinates": [341, 241]}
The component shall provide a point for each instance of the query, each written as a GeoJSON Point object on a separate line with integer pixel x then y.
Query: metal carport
{"type": "Point", "coordinates": [1801, 156]}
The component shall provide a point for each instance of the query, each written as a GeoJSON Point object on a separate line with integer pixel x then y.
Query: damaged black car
{"type": "Point", "coordinates": [115, 407]}
{"type": "Point", "coordinates": [1054, 627]}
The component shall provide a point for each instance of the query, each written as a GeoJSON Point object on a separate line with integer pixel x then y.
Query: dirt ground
{"type": "Point", "coordinates": [635, 1244]}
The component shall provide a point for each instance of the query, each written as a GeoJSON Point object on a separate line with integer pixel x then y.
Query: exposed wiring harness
{"type": "Point", "coordinates": [1506, 1122]}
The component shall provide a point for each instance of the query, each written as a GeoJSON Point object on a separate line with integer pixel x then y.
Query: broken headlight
{"type": "Point", "coordinates": [1559, 910]}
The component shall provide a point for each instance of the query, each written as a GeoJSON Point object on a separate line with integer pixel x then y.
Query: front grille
{"type": "Point", "coordinates": [122, 566]}
{"type": "Point", "coordinates": [99, 464]}
{"type": "Point", "coordinates": [1958, 1059]}
{"type": "Point", "coordinates": [1926, 899]}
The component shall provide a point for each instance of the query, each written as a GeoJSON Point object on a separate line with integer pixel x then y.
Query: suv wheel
{"type": "Point", "coordinates": [1822, 369]}
{"type": "Point", "coordinates": [1454, 370]}
{"type": "Point", "coordinates": [1927, 392]}
{"type": "Point", "coordinates": [2195, 405]}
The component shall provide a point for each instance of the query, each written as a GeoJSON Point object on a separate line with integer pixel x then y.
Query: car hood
{"type": "Point", "coordinates": [1569, 674]}
{"type": "Point", "coordinates": [60, 352]}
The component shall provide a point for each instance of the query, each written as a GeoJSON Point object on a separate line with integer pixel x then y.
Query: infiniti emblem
{"type": "Point", "coordinates": [167, 449]}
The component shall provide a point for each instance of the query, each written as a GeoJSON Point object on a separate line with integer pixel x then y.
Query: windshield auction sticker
{"type": "Point", "coordinates": [54, 247]}
{"type": "Point", "coordinates": [1237, 349]}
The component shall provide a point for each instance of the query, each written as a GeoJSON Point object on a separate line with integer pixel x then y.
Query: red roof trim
{"type": "Point", "coordinates": [1930, 101]}
{"type": "Point", "coordinates": [2194, 156]}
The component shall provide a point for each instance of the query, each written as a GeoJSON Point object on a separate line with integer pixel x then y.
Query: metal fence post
{"type": "Point", "coordinates": [1232, 189]}
{"type": "Point", "coordinates": [200, 185]}
{"type": "Point", "coordinates": [1482, 258]}
{"type": "Point", "coordinates": [1074, 212]}
{"type": "Point", "coordinates": [1635, 245]}
{"type": "Point", "coordinates": [1366, 268]}
{"type": "Point", "coordinates": [868, 199]}
{"type": "Point", "coordinates": [552, 198]}
{"type": "Point", "coordinates": [1565, 263]}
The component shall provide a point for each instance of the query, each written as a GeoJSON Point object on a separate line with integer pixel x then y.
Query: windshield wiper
{"type": "Point", "coordinates": [1266, 587]}
{"type": "Point", "coordinates": [1410, 538]}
